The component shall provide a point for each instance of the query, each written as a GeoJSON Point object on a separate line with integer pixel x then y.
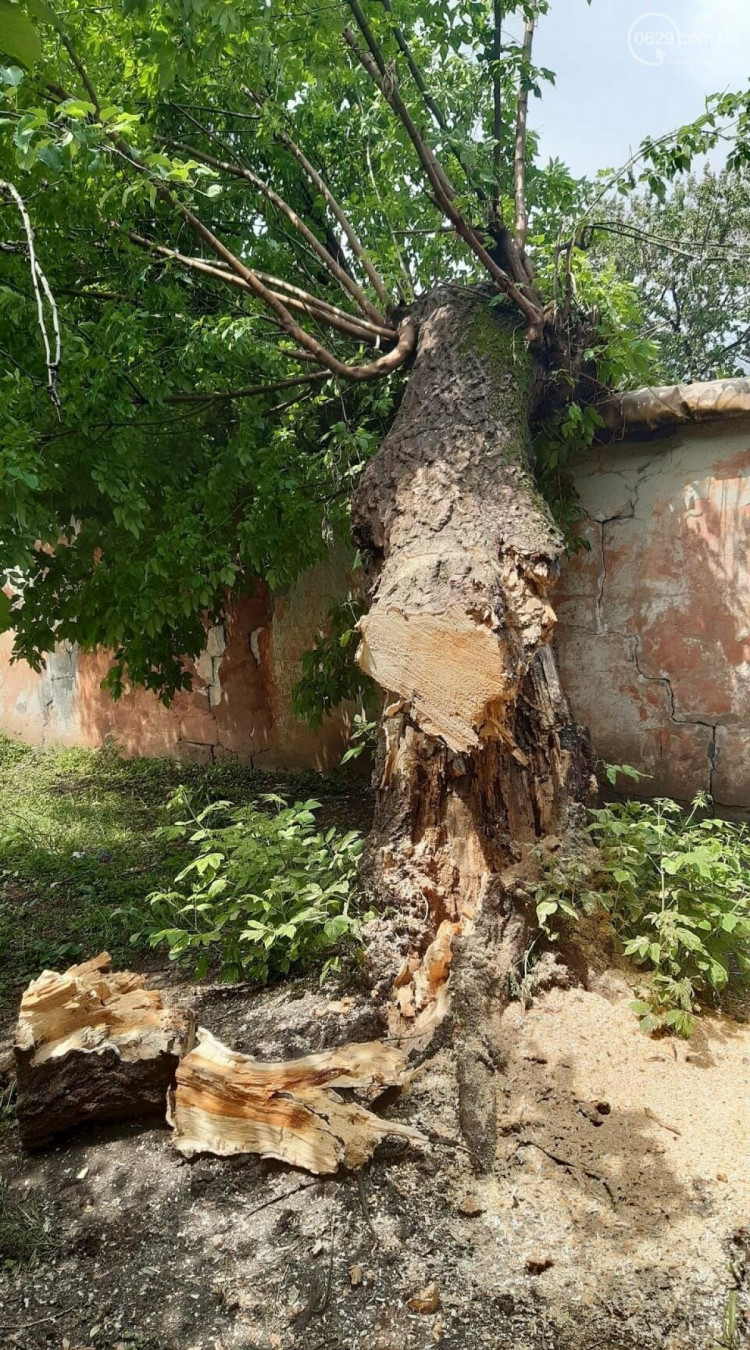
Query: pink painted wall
{"type": "Point", "coordinates": [654, 637]}
{"type": "Point", "coordinates": [240, 703]}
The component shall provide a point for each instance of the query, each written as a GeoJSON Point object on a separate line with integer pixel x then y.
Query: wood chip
{"type": "Point", "coordinates": [658, 1121]}
{"type": "Point", "coordinates": [425, 1300]}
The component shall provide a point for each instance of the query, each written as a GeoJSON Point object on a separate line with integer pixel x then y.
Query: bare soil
{"type": "Point", "coordinates": [616, 1217]}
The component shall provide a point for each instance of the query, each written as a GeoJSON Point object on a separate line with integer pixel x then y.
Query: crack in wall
{"type": "Point", "coordinates": [713, 727]}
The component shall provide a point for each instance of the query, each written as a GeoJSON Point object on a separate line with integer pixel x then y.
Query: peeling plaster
{"type": "Point", "coordinates": [661, 601]}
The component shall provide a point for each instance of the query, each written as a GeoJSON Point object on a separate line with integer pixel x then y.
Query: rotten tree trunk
{"type": "Point", "coordinates": [93, 1045]}
{"type": "Point", "coordinates": [479, 755]}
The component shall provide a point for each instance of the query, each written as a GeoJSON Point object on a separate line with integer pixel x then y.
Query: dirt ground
{"type": "Point", "coordinates": [616, 1218]}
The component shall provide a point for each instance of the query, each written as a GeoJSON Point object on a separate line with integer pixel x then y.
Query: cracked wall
{"type": "Point", "coordinates": [240, 703]}
{"type": "Point", "coordinates": [654, 636]}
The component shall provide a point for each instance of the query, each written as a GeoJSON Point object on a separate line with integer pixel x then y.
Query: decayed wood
{"type": "Point", "coordinates": [479, 755]}
{"type": "Point", "coordinates": [93, 1045]}
{"type": "Point", "coordinates": [226, 1103]}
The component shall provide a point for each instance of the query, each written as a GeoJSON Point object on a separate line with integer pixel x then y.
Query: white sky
{"type": "Point", "coordinates": [615, 85]}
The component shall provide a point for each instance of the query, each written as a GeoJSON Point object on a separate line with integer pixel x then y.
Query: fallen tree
{"type": "Point", "coordinates": [268, 202]}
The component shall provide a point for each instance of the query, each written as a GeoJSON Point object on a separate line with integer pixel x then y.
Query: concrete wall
{"type": "Point", "coordinates": [240, 703]}
{"type": "Point", "coordinates": [654, 640]}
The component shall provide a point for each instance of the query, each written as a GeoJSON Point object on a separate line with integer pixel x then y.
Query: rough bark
{"type": "Point", "coordinates": [479, 755]}
{"type": "Point", "coordinates": [93, 1046]}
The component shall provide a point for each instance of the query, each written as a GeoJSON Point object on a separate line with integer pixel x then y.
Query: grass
{"type": "Point", "coordinates": [23, 1231]}
{"type": "Point", "coordinates": [77, 853]}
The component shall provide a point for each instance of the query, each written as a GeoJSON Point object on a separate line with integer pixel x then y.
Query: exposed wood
{"type": "Point", "coordinates": [93, 1045]}
{"type": "Point", "coordinates": [479, 755]}
{"type": "Point", "coordinates": [676, 404]}
{"type": "Point", "coordinates": [227, 1103]}
{"type": "Point", "coordinates": [468, 551]}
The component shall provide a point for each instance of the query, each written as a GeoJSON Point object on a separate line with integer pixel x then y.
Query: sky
{"type": "Point", "coordinates": [631, 68]}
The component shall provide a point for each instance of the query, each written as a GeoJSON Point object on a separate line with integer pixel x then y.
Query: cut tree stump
{"type": "Point", "coordinates": [227, 1103]}
{"type": "Point", "coordinates": [93, 1045]}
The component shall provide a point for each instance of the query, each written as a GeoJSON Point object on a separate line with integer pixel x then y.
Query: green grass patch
{"type": "Point", "coordinates": [78, 852]}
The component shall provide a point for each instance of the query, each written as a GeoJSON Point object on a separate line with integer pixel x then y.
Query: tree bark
{"type": "Point", "coordinates": [93, 1045]}
{"type": "Point", "coordinates": [479, 756]}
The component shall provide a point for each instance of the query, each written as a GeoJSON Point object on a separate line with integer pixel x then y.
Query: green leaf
{"type": "Point", "coordinates": [18, 36]}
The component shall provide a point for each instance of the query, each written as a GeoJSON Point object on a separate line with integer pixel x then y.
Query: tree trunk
{"type": "Point", "coordinates": [478, 755]}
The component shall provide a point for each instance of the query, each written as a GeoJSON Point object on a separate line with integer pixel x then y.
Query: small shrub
{"type": "Point", "coordinates": [676, 887]}
{"type": "Point", "coordinates": [266, 891]}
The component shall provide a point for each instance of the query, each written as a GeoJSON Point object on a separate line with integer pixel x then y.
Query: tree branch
{"type": "Point", "coordinates": [522, 112]}
{"type": "Point", "coordinates": [416, 73]}
{"type": "Point", "coordinates": [352, 237]}
{"type": "Point", "coordinates": [497, 109]}
{"type": "Point", "coordinates": [295, 298]}
{"type": "Point", "coordinates": [530, 307]}
{"type": "Point", "coordinates": [239, 171]}
{"type": "Point", "coordinates": [42, 290]}
{"type": "Point", "coordinates": [253, 391]}
{"type": "Point", "coordinates": [388, 85]}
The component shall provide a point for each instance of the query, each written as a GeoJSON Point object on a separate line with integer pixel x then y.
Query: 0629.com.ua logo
{"type": "Point", "coordinates": [656, 39]}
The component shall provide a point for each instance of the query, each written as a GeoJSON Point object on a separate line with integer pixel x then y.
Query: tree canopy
{"type": "Point", "coordinates": [233, 207]}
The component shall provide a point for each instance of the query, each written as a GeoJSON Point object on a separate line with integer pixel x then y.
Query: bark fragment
{"type": "Point", "coordinates": [227, 1103]}
{"type": "Point", "coordinates": [93, 1045]}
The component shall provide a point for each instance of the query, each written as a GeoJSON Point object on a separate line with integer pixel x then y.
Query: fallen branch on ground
{"type": "Point", "coordinates": [227, 1103]}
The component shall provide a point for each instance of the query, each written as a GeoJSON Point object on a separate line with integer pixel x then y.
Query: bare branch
{"type": "Point", "coordinates": [434, 107]}
{"type": "Point", "coordinates": [530, 307]}
{"type": "Point", "coordinates": [70, 49]}
{"type": "Point", "coordinates": [227, 395]}
{"type": "Point", "coordinates": [41, 289]}
{"type": "Point", "coordinates": [295, 298]}
{"type": "Point", "coordinates": [519, 166]}
{"type": "Point", "coordinates": [352, 237]}
{"type": "Point", "coordinates": [386, 81]}
{"type": "Point", "coordinates": [497, 109]}
{"type": "Point", "coordinates": [239, 171]}
{"type": "Point", "coordinates": [416, 73]}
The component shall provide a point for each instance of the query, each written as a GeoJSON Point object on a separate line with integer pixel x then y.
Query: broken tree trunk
{"type": "Point", "coordinates": [93, 1045]}
{"type": "Point", "coordinates": [479, 755]}
{"type": "Point", "coordinates": [226, 1103]}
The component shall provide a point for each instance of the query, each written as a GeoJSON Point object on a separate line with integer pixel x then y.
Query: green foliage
{"type": "Point", "coordinates": [330, 675]}
{"type": "Point", "coordinates": [619, 357]}
{"type": "Point", "coordinates": [266, 892]}
{"type": "Point", "coordinates": [687, 254]}
{"type": "Point", "coordinates": [165, 493]}
{"type": "Point", "coordinates": [363, 738]}
{"type": "Point", "coordinates": [174, 472]}
{"type": "Point", "coordinates": [78, 858]}
{"type": "Point", "coordinates": [675, 887]}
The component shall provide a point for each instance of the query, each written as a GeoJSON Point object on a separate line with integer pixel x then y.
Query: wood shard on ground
{"type": "Point", "coordinates": [91, 1044]}
{"type": "Point", "coordinates": [227, 1103]}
